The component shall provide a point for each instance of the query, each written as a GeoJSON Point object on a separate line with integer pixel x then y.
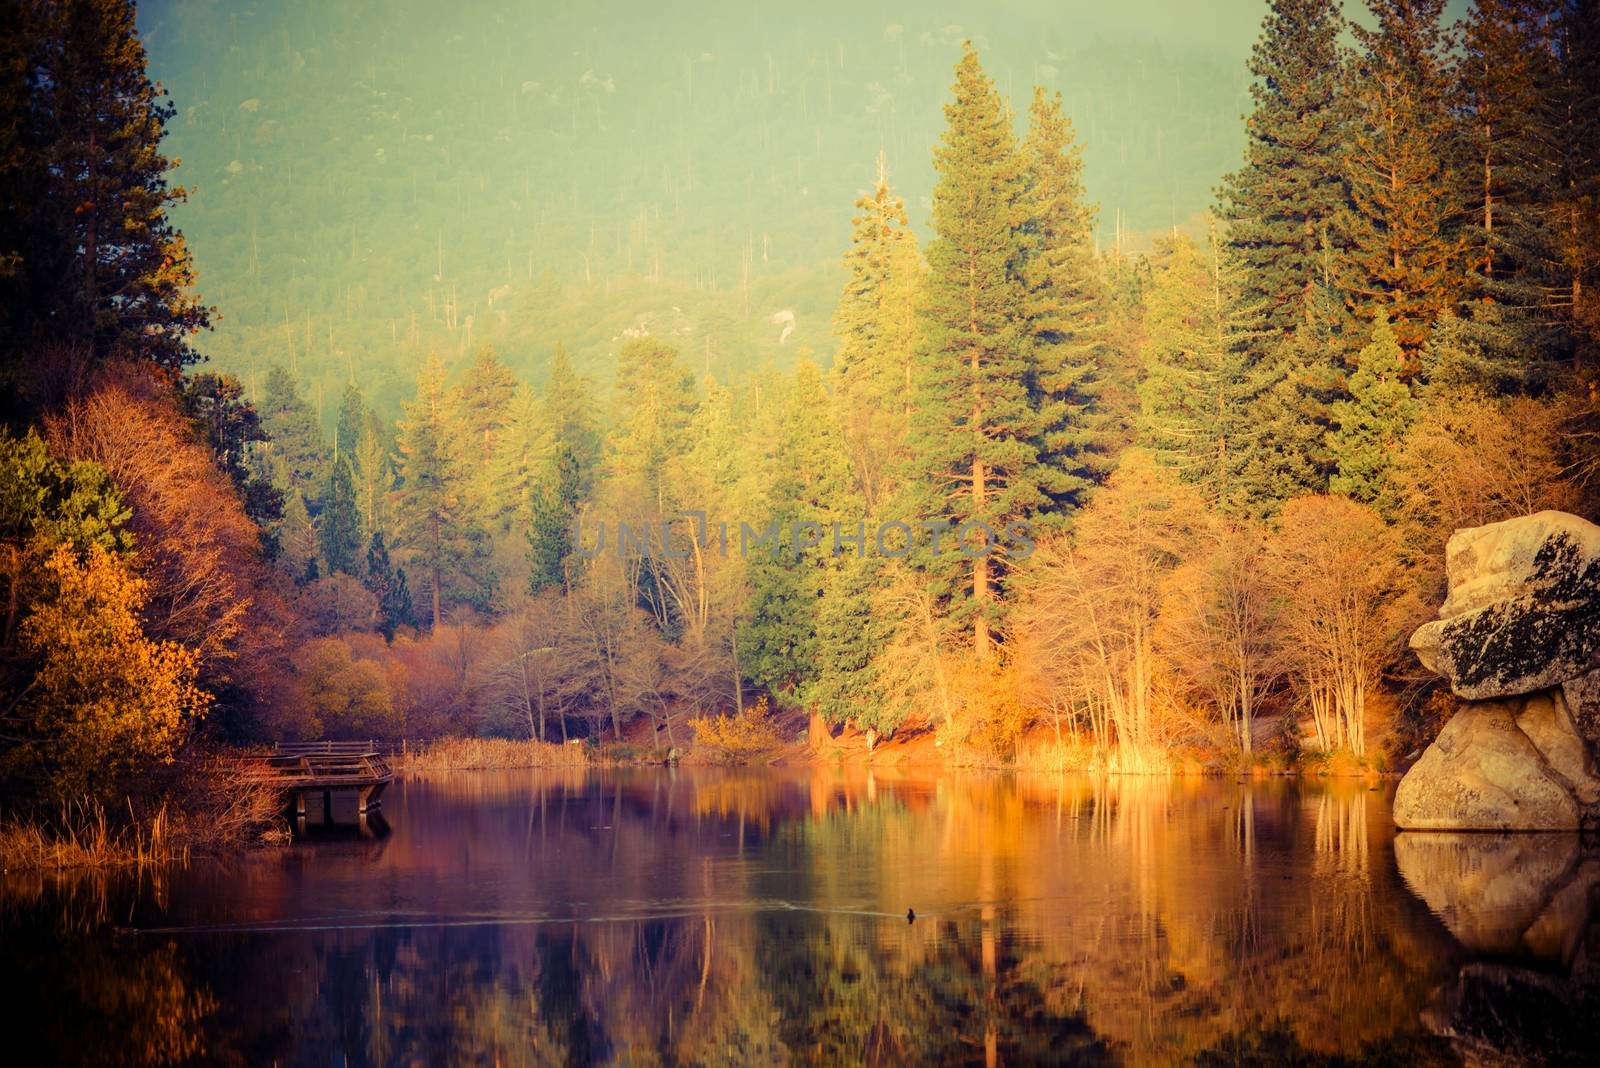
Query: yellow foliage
{"type": "Point", "coordinates": [989, 710]}
{"type": "Point", "coordinates": [341, 696]}
{"type": "Point", "coordinates": [105, 696]}
{"type": "Point", "coordinates": [739, 738]}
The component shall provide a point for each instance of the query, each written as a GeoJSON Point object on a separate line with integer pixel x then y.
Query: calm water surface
{"type": "Point", "coordinates": [665, 917]}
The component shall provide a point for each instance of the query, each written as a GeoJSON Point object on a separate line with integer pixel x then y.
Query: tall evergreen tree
{"type": "Point", "coordinates": [374, 473]}
{"type": "Point", "coordinates": [231, 426]}
{"type": "Point", "coordinates": [567, 411]}
{"type": "Point", "coordinates": [520, 458]}
{"type": "Point", "coordinates": [352, 422]}
{"type": "Point", "coordinates": [1280, 204]}
{"type": "Point", "coordinates": [653, 404]}
{"type": "Point", "coordinates": [975, 441]}
{"type": "Point", "coordinates": [1374, 420]}
{"type": "Point", "coordinates": [1066, 305]}
{"type": "Point", "coordinates": [106, 268]}
{"type": "Point", "coordinates": [437, 520]}
{"type": "Point", "coordinates": [549, 532]}
{"type": "Point", "coordinates": [1571, 123]}
{"type": "Point", "coordinates": [480, 406]}
{"type": "Point", "coordinates": [297, 538]}
{"type": "Point", "coordinates": [1401, 233]}
{"type": "Point", "coordinates": [815, 484]}
{"type": "Point", "coordinates": [295, 440]}
{"type": "Point", "coordinates": [339, 525]}
{"type": "Point", "coordinates": [388, 584]}
{"type": "Point", "coordinates": [1195, 400]}
{"type": "Point", "coordinates": [480, 418]}
{"type": "Point", "coordinates": [875, 322]}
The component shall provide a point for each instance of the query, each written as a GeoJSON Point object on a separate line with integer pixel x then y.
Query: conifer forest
{"type": "Point", "coordinates": [948, 450]}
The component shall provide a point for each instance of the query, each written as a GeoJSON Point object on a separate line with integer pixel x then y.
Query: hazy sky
{"type": "Point", "coordinates": [359, 164]}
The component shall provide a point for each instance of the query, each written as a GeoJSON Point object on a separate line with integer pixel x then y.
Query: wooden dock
{"type": "Point", "coordinates": [307, 769]}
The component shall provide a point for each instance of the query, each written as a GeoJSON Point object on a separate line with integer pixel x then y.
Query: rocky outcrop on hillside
{"type": "Point", "coordinates": [1519, 638]}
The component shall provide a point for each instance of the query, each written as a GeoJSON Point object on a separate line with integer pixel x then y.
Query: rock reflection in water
{"type": "Point", "coordinates": [759, 918]}
{"type": "Point", "coordinates": [1524, 905]}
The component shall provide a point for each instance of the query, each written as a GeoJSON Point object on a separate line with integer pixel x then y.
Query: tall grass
{"type": "Point", "coordinates": [81, 834]}
{"type": "Point", "coordinates": [212, 803]}
{"type": "Point", "coordinates": [464, 754]}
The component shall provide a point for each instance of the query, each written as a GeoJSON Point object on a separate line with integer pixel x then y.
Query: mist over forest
{"type": "Point", "coordinates": [372, 182]}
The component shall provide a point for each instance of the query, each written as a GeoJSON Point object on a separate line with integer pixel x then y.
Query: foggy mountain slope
{"type": "Point", "coordinates": [372, 181]}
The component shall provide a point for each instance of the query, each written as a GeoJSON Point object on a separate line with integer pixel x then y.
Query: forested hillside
{"type": "Point", "coordinates": [996, 476]}
{"type": "Point", "coordinates": [372, 182]}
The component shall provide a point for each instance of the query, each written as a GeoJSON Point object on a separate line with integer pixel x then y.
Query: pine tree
{"type": "Point", "coordinates": [1402, 226]}
{"type": "Point", "coordinates": [1066, 306]}
{"type": "Point", "coordinates": [1570, 256]}
{"type": "Point", "coordinates": [549, 532]}
{"type": "Point", "coordinates": [654, 401]}
{"type": "Point", "coordinates": [116, 275]}
{"type": "Point", "coordinates": [297, 538]}
{"type": "Point", "coordinates": [374, 473]}
{"type": "Point", "coordinates": [851, 629]}
{"type": "Point", "coordinates": [480, 406]}
{"type": "Point", "coordinates": [975, 441]}
{"type": "Point", "coordinates": [480, 417]}
{"type": "Point", "coordinates": [520, 459]}
{"type": "Point", "coordinates": [388, 585]}
{"type": "Point", "coordinates": [294, 439]}
{"type": "Point", "coordinates": [1280, 204]}
{"type": "Point", "coordinates": [1196, 398]}
{"type": "Point", "coordinates": [875, 322]}
{"type": "Point", "coordinates": [815, 484]}
{"type": "Point", "coordinates": [1373, 421]}
{"type": "Point", "coordinates": [230, 425]}
{"type": "Point", "coordinates": [567, 411]}
{"type": "Point", "coordinates": [339, 525]}
{"type": "Point", "coordinates": [437, 520]}
{"type": "Point", "coordinates": [352, 422]}
{"type": "Point", "coordinates": [1295, 387]}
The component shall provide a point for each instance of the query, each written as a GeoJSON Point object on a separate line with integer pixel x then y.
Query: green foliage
{"type": "Point", "coordinates": [437, 521]}
{"type": "Point", "coordinates": [352, 422]}
{"type": "Point", "coordinates": [814, 484]}
{"type": "Point", "coordinates": [842, 681]}
{"type": "Point", "coordinates": [549, 533]}
{"type": "Point", "coordinates": [974, 447]}
{"type": "Point", "coordinates": [294, 447]}
{"type": "Point", "coordinates": [875, 322]}
{"type": "Point", "coordinates": [45, 501]}
{"type": "Point", "coordinates": [339, 525]}
{"type": "Point", "coordinates": [1399, 235]}
{"type": "Point", "coordinates": [388, 585]}
{"type": "Point", "coordinates": [1196, 401]}
{"type": "Point", "coordinates": [1373, 421]}
{"type": "Point", "coordinates": [567, 414]}
{"type": "Point", "coordinates": [1280, 205]}
{"type": "Point", "coordinates": [1066, 309]}
{"type": "Point", "coordinates": [230, 425]}
{"type": "Point", "coordinates": [96, 262]}
{"type": "Point", "coordinates": [653, 404]}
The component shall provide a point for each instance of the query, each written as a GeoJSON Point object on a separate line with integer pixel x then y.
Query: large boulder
{"type": "Point", "coordinates": [1583, 702]}
{"type": "Point", "coordinates": [1523, 612]}
{"type": "Point", "coordinates": [1544, 718]}
{"type": "Point", "coordinates": [1483, 773]}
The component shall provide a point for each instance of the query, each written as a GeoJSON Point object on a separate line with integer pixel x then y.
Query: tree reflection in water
{"type": "Point", "coordinates": [728, 918]}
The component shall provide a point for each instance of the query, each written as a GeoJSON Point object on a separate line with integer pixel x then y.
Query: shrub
{"type": "Point", "coordinates": [737, 739]}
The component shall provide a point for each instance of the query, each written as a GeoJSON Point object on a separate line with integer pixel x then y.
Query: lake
{"type": "Point", "coordinates": [665, 916]}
